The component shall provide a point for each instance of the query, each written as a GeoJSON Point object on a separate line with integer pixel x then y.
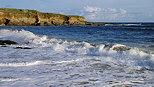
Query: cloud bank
{"type": "Point", "coordinates": [110, 14]}
{"type": "Point", "coordinates": [98, 14]}
{"type": "Point", "coordinates": [92, 9]}
{"type": "Point", "coordinates": [91, 13]}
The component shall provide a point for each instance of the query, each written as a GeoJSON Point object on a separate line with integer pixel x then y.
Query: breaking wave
{"type": "Point", "coordinates": [117, 53]}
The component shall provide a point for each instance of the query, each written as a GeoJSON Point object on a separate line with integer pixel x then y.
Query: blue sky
{"type": "Point", "coordinates": [92, 10]}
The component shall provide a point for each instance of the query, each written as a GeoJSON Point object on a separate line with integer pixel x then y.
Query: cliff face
{"type": "Point", "coordinates": [19, 17]}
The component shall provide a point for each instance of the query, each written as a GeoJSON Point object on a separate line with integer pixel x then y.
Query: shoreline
{"type": "Point", "coordinates": [26, 17]}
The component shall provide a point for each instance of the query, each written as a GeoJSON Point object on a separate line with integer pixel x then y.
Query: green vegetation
{"type": "Point", "coordinates": [75, 16]}
{"type": "Point", "coordinates": [27, 11]}
{"type": "Point", "coordinates": [19, 11]}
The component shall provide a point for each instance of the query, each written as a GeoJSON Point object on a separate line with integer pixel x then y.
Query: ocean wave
{"type": "Point", "coordinates": [150, 29]}
{"type": "Point", "coordinates": [122, 54]}
{"type": "Point", "coordinates": [21, 37]}
{"type": "Point", "coordinates": [138, 24]}
{"type": "Point", "coordinates": [132, 24]}
{"type": "Point", "coordinates": [22, 64]}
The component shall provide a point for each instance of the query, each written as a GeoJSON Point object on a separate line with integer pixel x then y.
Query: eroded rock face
{"type": "Point", "coordinates": [20, 17]}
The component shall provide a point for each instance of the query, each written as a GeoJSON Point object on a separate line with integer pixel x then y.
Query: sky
{"type": "Point", "coordinates": [92, 10]}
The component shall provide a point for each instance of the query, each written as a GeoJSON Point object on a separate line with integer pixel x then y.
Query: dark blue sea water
{"type": "Point", "coordinates": [78, 56]}
{"type": "Point", "coordinates": [132, 34]}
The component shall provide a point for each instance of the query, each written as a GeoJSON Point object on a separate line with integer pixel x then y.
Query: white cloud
{"type": "Point", "coordinates": [91, 16]}
{"type": "Point", "coordinates": [112, 10]}
{"type": "Point", "coordinates": [108, 14]}
{"type": "Point", "coordinates": [101, 14]}
{"type": "Point", "coordinates": [90, 12]}
{"type": "Point", "coordinates": [116, 14]}
{"type": "Point", "coordinates": [123, 11]}
{"type": "Point", "coordinates": [92, 9]}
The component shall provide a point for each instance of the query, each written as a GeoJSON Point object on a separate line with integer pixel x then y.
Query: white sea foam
{"type": "Point", "coordinates": [21, 37]}
{"type": "Point", "coordinates": [78, 48]}
{"type": "Point", "coordinates": [22, 64]}
{"type": "Point", "coordinates": [8, 80]}
{"type": "Point", "coordinates": [132, 24]}
{"type": "Point", "coordinates": [35, 63]}
{"type": "Point", "coordinates": [52, 62]}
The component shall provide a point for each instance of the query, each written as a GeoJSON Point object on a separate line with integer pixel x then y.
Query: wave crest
{"type": "Point", "coordinates": [116, 52]}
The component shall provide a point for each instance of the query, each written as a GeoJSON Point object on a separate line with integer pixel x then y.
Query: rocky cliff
{"type": "Point", "coordinates": [24, 17]}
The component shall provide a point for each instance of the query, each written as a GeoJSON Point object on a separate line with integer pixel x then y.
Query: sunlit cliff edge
{"type": "Point", "coordinates": [26, 17]}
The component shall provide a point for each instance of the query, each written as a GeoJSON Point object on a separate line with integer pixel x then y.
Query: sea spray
{"type": "Point", "coordinates": [122, 53]}
{"type": "Point", "coordinates": [52, 61]}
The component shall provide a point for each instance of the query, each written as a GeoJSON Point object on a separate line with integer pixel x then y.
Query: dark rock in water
{"type": "Point", "coordinates": [100, 66]}
{"type": "Point", "coordinates": [151, 46]}
{"type": "Point", "coordinates": [23, 48]}
{"type": "Point", "coordinates": [144, 50]}
{"type": "Point", "coordinates": [7, 42]}
{"type": "Point", "coordinates": [95, 45]}
{"type": "Point", "coordinates": [108, 46]}
{"type": "Point", "coordinates": [83, 83]}
{"type": "Point", "coordinates": [121, 48]}
{"type": "Point", "coordinates": [3, 46]}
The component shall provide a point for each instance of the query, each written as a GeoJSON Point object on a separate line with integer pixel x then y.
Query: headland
{"type": "Point", "coordinates": [26, 17]}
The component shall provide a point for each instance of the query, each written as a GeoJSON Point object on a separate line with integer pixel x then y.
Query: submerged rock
{"type": "Point", "coordinates": [3, 46]}
{"type": "Point", "coordinates": [23, 48]}
{"type": "Point", "coordinates": [7, 42]}
{"type": "Point", "coordinates": [121, 48]}
{"type": "Point", "coordinates": [83, 83]}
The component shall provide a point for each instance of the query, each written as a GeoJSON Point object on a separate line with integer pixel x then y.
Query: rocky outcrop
{"type": "Point", "coordinates": [25, 17]}
{"type": "Point", "coordinates": [21, 17]}
{"type": "Point", "coordinates": [7, 42]}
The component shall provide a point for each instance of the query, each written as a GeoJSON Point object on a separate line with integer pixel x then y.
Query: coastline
{"type": "Point", "coordinates": [25, 17]}
{"type": "Point", "coordinates": [72, 55]}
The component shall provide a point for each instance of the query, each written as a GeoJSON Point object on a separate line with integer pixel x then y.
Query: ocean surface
{"type": "Point", "coordinates": [78, 56]}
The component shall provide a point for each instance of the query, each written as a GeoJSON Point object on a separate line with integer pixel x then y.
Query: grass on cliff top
{"type": "Point", "coordinates": [54, 14]}
{"type": "Point", "coordinates": [20, 11]}
{"type": "Point", "coordinates": [27, 11]}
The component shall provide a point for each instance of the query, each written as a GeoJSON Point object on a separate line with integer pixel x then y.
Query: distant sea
{"type": "Point", "coordinates": [78, 56]}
